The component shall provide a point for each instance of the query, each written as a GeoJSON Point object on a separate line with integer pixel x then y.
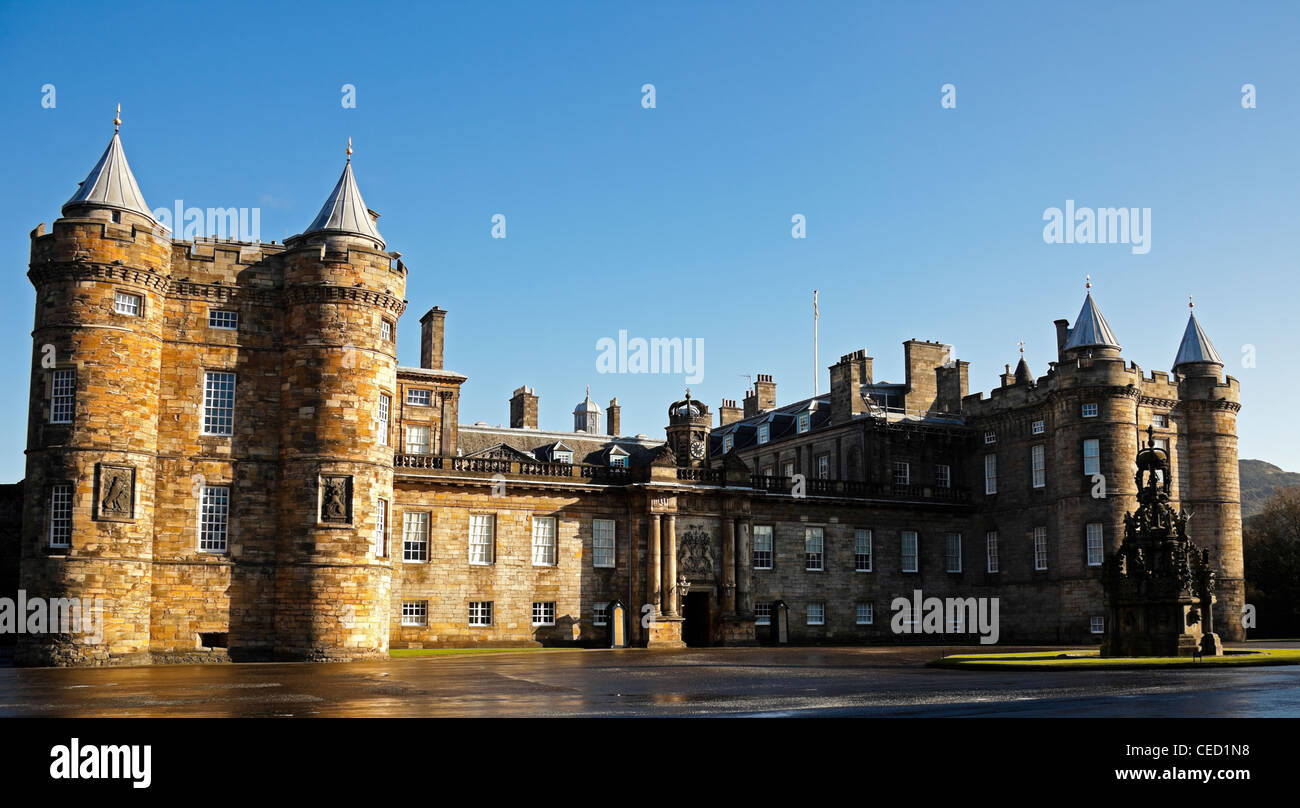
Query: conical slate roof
{"type": "Point", "coordinates": [110, 184]}
{"type": "Point", "coordinates": [1091, 329]}
{"type": "Point", "coordinates": [1023, 373]}
{"type": "Point", "coordinates": [1196, 346]}
{"type": "Point", "coordinates": [345, 211]}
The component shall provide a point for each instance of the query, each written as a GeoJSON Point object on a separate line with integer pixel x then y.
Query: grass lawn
{"type": "Point", "coordinates": [406, 653]}
{"type": "Point", "coordinates": [1091, 659]}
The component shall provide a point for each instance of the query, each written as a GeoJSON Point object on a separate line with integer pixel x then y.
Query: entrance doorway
{"type": "Point", "coordinates": [698, 631]}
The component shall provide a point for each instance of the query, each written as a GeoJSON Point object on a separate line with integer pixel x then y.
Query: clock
{"type": "Point", "coordinates": [697, 449]}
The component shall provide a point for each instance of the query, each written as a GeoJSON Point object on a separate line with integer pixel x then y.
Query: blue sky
{"type": "Point", "coordinates": [675, 221]}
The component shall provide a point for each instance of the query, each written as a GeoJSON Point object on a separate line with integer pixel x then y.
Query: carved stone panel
{"type": "Point", "coordinates": [114, 493]}
{"type": "Point", "coordinates": [336, 500]}
{"type": "Point", "coordinates": [695, 553]}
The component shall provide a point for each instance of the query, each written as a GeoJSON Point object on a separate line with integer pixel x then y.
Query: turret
{"type": "Point", "coordinates": [688, 430]}
{"type": "Point", "coordinates": [332, 592]}
{"type": "Point", "coordinates": [586, 416]}
{"type": "Point", "coordinates": [1091, 335]}
{"type": "Point", "coordinates": [100, 276]}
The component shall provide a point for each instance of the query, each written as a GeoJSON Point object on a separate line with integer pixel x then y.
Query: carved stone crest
{"type": "Point", "coordinates": [115, 492]}
{"type": "Point", "coordinates": [336, 500]}
{"type": "Point", "coordinates": [695, 553]}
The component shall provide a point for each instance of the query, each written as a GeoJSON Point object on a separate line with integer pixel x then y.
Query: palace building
{"type": "Point", "coordinates": [223, 447]}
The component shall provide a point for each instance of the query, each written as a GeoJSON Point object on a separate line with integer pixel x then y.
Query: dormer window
{"type": "Point", "coordinates": [617, 458]}
{"type": "Point", "coordinates": [562, 457]}
{"type": "Point", "coordinates": [764, 433]}
{"type": "Point", "coordinates": [727, 442]}
{"type": "Point", "coordinates": [805, 419]}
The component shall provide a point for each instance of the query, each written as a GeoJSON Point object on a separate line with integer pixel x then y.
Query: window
{"type": "Point", "coordinates": [381, 529]}
{"type": "Point", "coordinates": [1092, 456]}
{"type": "Point", "coordinates": [482, 531]}
{"type": "Point", "coordinates": [727, 442]}
{"type": "Point", "coordinates": [223, 320]}
{"type": "Point", "coordinates": [805, 419]}
{"type": "Point", "coordinates": [1038, 463]}
{"type": "Point", "coordinates": [544, 613]}
{"type": "Point", "coordinates": [480, 612]}
{"type": "Point", "coordinates": [1089, 410]}
{"type": "Point", "coordinates": [862, 550]}
{"type": "Point", "coordinates": [954, 552]}
{"type": "Point", "coordinates": [381, 424]}
{"type": "Point", "coordinates": [902, 473]}
{"type": "Point", "coordinates": [1036, 428]}
{"type": "Point", "coordinates": [1094, 535]}
{"type": "Point", "coordinates": [764, 433]}
{"type": "Point", "coordinates": [415, 612]}
{"type": "Point", "coordinates": [866, 614]}
{"type": "Point", "coordinates": [813, 544]}
{"type": "Point", "coordinates": [600, 614]}
{"type": "Point", "coordinates": [415, 536]}
{"type": "Point", "coordinates": [762, 614]}
{"type": "Point", "coordinates": [602, 543]}
{"type": "Point", "coordinates": [63, 396]}
{"type": "Point", "coordinates": [214, 518]}
{"type": "Point", "coordinates": [990, 474]}
{"type": "Point", "coordinates": [417, 440]}
{"type": "Point", "coordinates": [419, 398]}
{"type": "Point", "coordinates": [1160, 420]}
{"type": "Point", "coordinates": [788, 469]}
{"type": "Point", "coordinates": [561, 456]}
{"type": "Point", "coordinates": [991, 550]}
{"type": "Point", "coordinates": [816, 614]}
{"type": "Point", "coordinates": [385, 331]}
{"type": "Point", "coordinates": [1040, 548]}
{"type": "Point", "coordinates": [218, 403]}
{"type": "Point", "coordinates": [543, 541]}
{"type": "Point", "coordinates": [128, 304]}
{"type": "Point", "coordinates": [1098, 625]}
{"type": "Point", "coordinates": [909, 551]}
{"type": "Point", "coordinates": [617, 460]}
{"type": "Point", "coordinates": [767, 471]}
{"type": "Point", "coordinates": [990, 437]}
{"type": "Point", "coordinates": [762, 547]}
{"type": "Point", "coordinates": [61, 515]}
{"type": "Point", "coordinates": [823, 467]}
{"type": "Point", "coordinates": [943, 476]}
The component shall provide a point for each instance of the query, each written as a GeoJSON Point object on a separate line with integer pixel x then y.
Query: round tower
{"type": "Point", "coordinates": [1211, 497]}
{"type": "Point", "coordinates": [100, 277]}
{"type": "Point", "coordinates": [338, 390]}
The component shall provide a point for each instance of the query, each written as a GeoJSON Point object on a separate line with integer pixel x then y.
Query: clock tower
{"type": "Point", "coordinates": [688, 431]}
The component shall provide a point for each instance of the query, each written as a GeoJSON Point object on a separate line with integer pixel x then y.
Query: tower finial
{"type": "Point", "coordinates": [1087, 282]}
{"type": "Point", "coordinates": [1022, 347]}
{"type": "Point", "coordinates": [349, 148]}
{"type": "Point", "coordinates": [117, 118]}
{"type": "Point", "coordinates": [1190, 304]}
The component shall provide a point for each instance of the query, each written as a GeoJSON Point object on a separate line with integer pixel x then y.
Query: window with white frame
{"type": "Point", "coordinates": [909, 551]}
{"type": "Point", "coordinates": [223, 320]}
{"type": "Point", "coordinates": [1036, 428]}
{"type": "Point", "coordinates": [543, 613]}
{"type": "Point", "coordinates": [942, 475]}
{"type": "Point", "coordinates": [727, 442]}
{"type": "Point", "coordinates": [482, 534]}
{"type": "Point", "coordinates": [381, 422]}
{"type": "Point", "coordinates": [862, 550]}
{"type": "Point", "coordinates": [63, 396]}
{"type": "Point", "coordinates": [954, 552]}
{"type": "Point", "coordinates": [543, 541]}
{"type": "Point", "coordinates": [381, 529]}
{"type": "Point", "coordinates": [617, 459]}
{"type": "Point", "coordinates": [1089, 410]}
{"type": "Point", "coordinates": [218, 403]}
{"type": "Point", "coordinates": [762, 614]}
{"type": "Point", "coordinates": [762, 547]}
{"type": "Point", "coordinates": [824, 467]}
{"type": "Point", "coordinates": [1038, 464]}
{"type": "Point", "coordinates": [417, 440]}
{"type": "Point", "coordinates": [415, 612]}
{"type": "Point", "coordinates": [764, 433]}
{"type": "Point", "coordinates": [602, 542]}
{"type": "Point", "coordinates": [1098, 625]}
{"type": "Point", "coordinates": [816, 614]}
{"type": "Point", "coordinates": [805, 420]}
{"type": "Point", "coordinates": [214, 518]}
{"type": "Point", "coordinates": [1094, 538]}
{"type": "Point", "coordinates": [385, 331]}
{"type": "Point", "coordinates": [61, 515]}
{"type": "Point", "coordinates": [128, 304]}
{"type": "Point", "coordinates": [990, 474]}
{"type": "Point", "coordinates": [415, 536]}
{"type": "Point", "coordinates": [561, 456]}
{"type": "Point", "coordinates": [600, 614]}
{"type": "Point", "coordinates": [1159, 420]}
{"type": "Point", "coordinates": [788, 469]}
{"type": "Point", "coordinates": [991, 551]}
{"type": "Point", "coordinates": [990, 437]}
{"type": "Point", "coordinates": [813, 545]}
{"type": "Point", "coordinates": [866, 614]}
{"type": "Point", "coordinates": [418, 398]}
{"type": "Point", "coordinates": [1040, 548]}
{"type": "Point", "coordinates": [480, 612]}
{"type": "Point", "coordinates": [1092, 456]}
{"type": "Point", "coordinates": [902, 473]}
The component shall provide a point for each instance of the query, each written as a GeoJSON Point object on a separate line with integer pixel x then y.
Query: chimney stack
{"type": "Point", "coordinates": [846, 386]}
{"type": "Point", "coordinates": [1062, 333]}
{"type": "Point", "coordinates": [523, 409]}
{"type": "Point", "coordinates": [762, 397]}
{"type": "Point", "coordinates": [612, 419]}
{"type": "Point", "coordinates": [431, 325]}
{"type": "Point", "coordinates": [729, 413]}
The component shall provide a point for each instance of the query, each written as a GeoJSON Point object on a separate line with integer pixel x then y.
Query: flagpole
{"type": "Point", "coordinates": [816, 375]}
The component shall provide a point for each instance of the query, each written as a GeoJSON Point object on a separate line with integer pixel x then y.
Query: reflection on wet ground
{"type": "Point", "coordinates": [720, 681]}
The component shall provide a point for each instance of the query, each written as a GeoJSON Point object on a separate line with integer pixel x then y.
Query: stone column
{"type": "Point", "coordinates": [447, 424]}
{"type": "Point", "coordinates": [671, 594]}
{"type": "Point", "coordinates": [654, 556]}
{"type": "Point", "coordinates": [728, 566]}
{"type": "Point", "coordinates": [744, 569]}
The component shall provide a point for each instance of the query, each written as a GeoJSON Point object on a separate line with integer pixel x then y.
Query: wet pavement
{"type": "Point", "coordinates": [694, 682]}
